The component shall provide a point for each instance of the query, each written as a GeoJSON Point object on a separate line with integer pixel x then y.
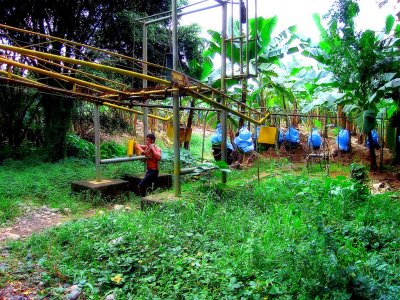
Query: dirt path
{"type": "Point", "coordinates": [33, 221]}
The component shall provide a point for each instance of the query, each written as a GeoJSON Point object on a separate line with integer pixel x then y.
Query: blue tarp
{"type": "Point", "coordinates": [342, 140]}
{"type": "Point", "coordinates": [314, 140]}
{"type": "Point", "coordinates": [244, 141]}
{"type": "Point", "coordinates": [216, 139]}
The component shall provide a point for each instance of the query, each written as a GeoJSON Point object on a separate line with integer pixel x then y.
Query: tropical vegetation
{"type": "Point", "coordinates": [272, 231]}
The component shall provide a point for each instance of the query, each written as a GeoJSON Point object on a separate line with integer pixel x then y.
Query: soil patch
{"type": "Point", "coordinates": [32, 221]}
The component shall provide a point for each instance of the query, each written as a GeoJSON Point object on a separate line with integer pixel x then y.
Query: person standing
{"type": "Point", "coordinates": [153, 155]}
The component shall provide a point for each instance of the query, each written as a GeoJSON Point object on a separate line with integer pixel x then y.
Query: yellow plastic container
{"type": "Point", "coordinates": [267, 135]}
{"type": "Point", "coordinates": [185, 134]}
{"type": "Point", "coordinates": [170, 131]}
{"type": "Point", "coordinates": [131, 147]}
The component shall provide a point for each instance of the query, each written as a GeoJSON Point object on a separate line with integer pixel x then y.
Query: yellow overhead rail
{"type": "Point", "coordinates": [138, 112]}
{"type": "Point", "coordinates": [59, 76]}
{"type": "Point", "coordinates": [85, 63]}
{"type": "Point", "coordinates": [49, 88]}
{"type": "Point", "coordinates": [50, 37]}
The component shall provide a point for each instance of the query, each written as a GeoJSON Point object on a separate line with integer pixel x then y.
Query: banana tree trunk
{"type": "Point", "coordinates": [396, 158]}
{"type": "Point", "coordinates": [295, 121]}
{"type": "Point", "coordinates": [189, 123]}
{"type": "Point", "coordinates": [341, 117]}
{"type": "Point", "coordinates": [243, 100]}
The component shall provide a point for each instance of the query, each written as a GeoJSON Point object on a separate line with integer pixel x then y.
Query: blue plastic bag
{"type": "Point", "coordinates": [244, 141]}
{"type": "Point", "coordinates": [216, 139]}
{"type": "Point", "coordinates": [375, 139]}
{"type": "Point", "coordinates": [342, 140]}
{"type": "Point", "coordinates": [293, 136]}
{"type": "Point", "coordinates": [314, 140]}
{"type": "Point", "coordinates": [281, 137]}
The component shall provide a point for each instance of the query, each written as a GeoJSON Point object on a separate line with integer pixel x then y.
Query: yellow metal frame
{"type": "Point", "coordinates": [110, 96]}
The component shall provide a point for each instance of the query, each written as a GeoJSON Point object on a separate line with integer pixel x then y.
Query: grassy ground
{"type": "Point", "coordinates": [34, 183]}
{"type": "Point", "coordinates": [289, 235]}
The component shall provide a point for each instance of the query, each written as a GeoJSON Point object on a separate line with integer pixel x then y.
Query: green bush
{"type": "Point", "coordinates": [359, 174]}
{"type": "Point", "coordinates": [78, 147]}
{"type": "Point", "coordinates": [112, 149]}
{"type": "Point", "coordinates": [83, 149]}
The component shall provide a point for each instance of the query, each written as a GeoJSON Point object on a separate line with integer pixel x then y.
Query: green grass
{"type": "Point", "coordinates": [35, 184]}
{"type": "Point", "coordinates": [196, 147]}
{"type": "Point", "coordinates": [8, 209]}
{"type": "Point", "coordinates": [286, 237]}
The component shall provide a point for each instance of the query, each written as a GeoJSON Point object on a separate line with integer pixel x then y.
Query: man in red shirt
{"type": "Point", "coordinates": [153, 155]}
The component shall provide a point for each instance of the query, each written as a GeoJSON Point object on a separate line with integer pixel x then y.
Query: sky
{"type": "Point", "coordinates": [291, 12]}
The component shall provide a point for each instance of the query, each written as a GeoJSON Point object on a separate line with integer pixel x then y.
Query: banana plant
{"type": "Point", "coordinates": [363, 63]}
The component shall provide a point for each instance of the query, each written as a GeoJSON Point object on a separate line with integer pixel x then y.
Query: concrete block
{"type": "Point", "coordinates": [157, 199]}
{"type": "Point", "coordinates": [164, 181]}
{"type": "Point", "coordinates": [109, 188]}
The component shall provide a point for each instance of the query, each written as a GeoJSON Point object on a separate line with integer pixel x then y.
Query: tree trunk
{"type": "Point", "coordinates": [57, 120]}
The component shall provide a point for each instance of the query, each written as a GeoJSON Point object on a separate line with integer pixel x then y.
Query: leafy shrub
{"type": "Point", "coordinates": [359, 173]}
{"type": "Point", "coordinates": [186, 158]}
{"type": "Point", "coordinates": [78, 147]}
{"type": "Point", "coordinates": [112, 149]}
{"type": "Point", "coordinates": [81, 148]}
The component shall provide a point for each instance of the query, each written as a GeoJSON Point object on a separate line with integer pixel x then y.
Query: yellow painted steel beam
{"type": "Point", "coordinates": [85, 63]}
{"type": "Point", "coordinates": [158, 91]}
{"type": "Point", "coordinates": [11, 75]}
{"type": "Point", "coordinates": [228, 109]}
{"type": "Point", "coordinates": [123, 57]}
{"type": "Point", "coordinates": [81, 45]}
{"type": "Point", "coordinates": [31, 83]}
{"type": "Point", "coordinates": [79, 71]}
{"type": "Point", "coordinates": [54, 90]}
{"type": "Point", "coordinates": [59, 76]}
{"type": "Point", "coordinates": [138, 112]}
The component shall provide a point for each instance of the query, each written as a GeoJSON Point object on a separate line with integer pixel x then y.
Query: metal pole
{"type": "Point", "coordinates": [145, 109]}
{"type": "Point", "coordinates": [256, 37]}
{"type": "Point", "coordinates": [169, 12]}
{"type": "Point", "coordinates": [176, 123]}
{"type": "Point", "coordinates": [247, 38]}
{"type": "Point", "coordinates": [204, 135]}
{"type": "Point", "coordinates": [382, 141]}
{"type": "Point", "coordinates": [223, 87]}
{"type": "Point", "coordinates": [240, 39]}
{"type": "Point", "coordinates": [231, 23]}
{"type": "Point", "coordinates": [96, 120]}
{"type": "Point", "coordinates": [182, 14]}
{"type": "Point", "coordinates": [121, 159]}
